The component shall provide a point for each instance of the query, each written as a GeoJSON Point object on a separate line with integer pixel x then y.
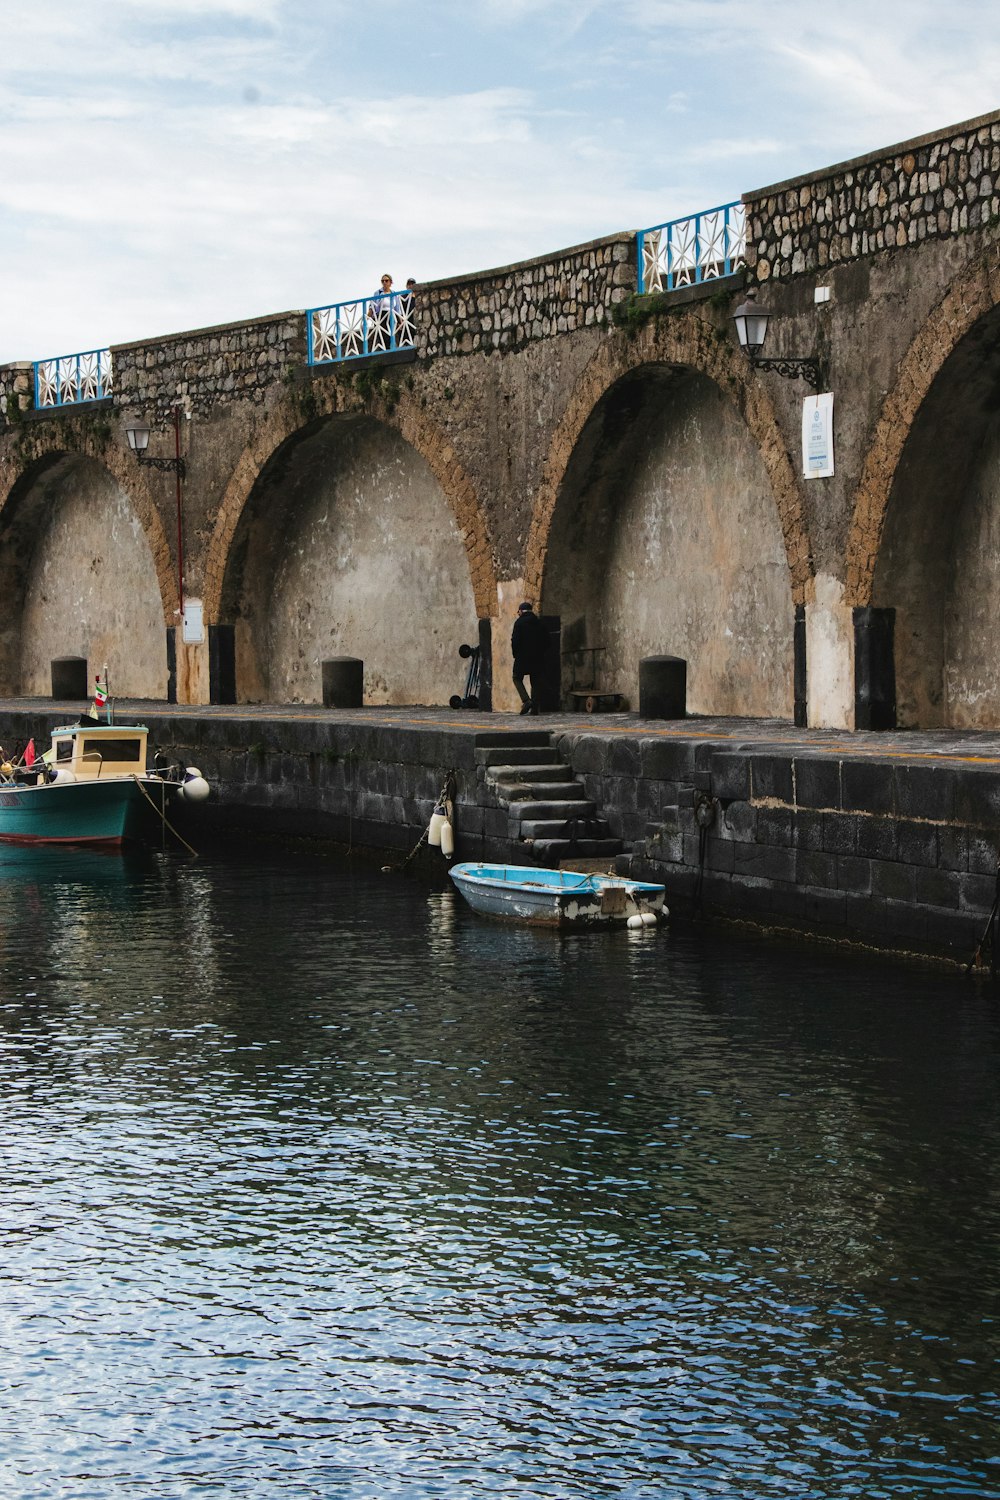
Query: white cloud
{"type": "Point", "coordinates": [191, 162]}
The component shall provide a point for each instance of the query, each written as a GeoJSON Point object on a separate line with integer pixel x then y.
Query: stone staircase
{"type": "Point", "coordinates": [550, 818]}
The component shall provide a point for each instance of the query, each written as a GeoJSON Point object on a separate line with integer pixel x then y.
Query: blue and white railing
{"type": "Point", "coordinates": [369, 325]}
{"type": "Point", "coordinates": [684, 252]}
{"type": "Point", "coordinates": [73, 378]}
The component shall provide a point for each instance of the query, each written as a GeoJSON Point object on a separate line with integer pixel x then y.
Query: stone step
{"type": "Point", "coordinates": [520, 812]}
{"type": "Point", "coordinates": [543, 791]}
{"type": "Point", "coordinates": [551, 851]}
{"type": "Point", "coordinates": [505, 775]}
{"type": "Point", "coordinates": [558, 828]}
{"type": "Point", "coordinates": [512, 755]}
{"type": "Point", "coordinates": [517, 739]}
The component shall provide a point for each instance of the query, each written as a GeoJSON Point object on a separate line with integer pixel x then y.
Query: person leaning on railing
{"type": "Point", "coordinates": [379, 311]}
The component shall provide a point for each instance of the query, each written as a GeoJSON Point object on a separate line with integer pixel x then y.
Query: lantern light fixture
{"type": "Point", "coordinates": [751, 329]}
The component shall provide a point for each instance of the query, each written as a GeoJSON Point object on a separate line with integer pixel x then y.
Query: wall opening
{"type": "Point", "coordinates": [348, 547]}
{"type": "Point", "coordinates": [939, 560]}
{"type": "Point", "coordinates": [78, 579]}
{"type": "Point", "coordinates": [665, 539]}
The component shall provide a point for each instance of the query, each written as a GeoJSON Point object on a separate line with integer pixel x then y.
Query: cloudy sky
{"type": "Point", "coordinates": [169, 164]}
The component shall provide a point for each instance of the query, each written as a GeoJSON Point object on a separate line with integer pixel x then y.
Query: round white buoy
{"type": "Point", "coordinates": [649, 919]}
{"type": "Point", "coordinates": [194, 789]}
{"type": "Point", "coordinates": [447, 839]}
{"type": "Point", "coordinates": [63, 776]}
{"type": "Point", "coordinates": [191, 771]}
{"type": "Point", "coordinates": [634, 922]}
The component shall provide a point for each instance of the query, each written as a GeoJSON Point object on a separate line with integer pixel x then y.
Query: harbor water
{"type": "Point", "coordinates": [316, 1184]}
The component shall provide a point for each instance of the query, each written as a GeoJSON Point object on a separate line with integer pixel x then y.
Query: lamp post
{"type": "Point", "coordinates": [751, 329]}
{"type": "Point", "coordinates": [138, 441]}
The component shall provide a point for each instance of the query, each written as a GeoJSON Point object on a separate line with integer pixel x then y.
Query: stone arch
{"type": "Point", "coordinates": [670, 519]}
{"type": "Point", "coordinates": [925, 531]}
{"type": "Point", "coordinates": [968, 300]}
{"type": "Point", "coordinates": [410, 420]}
{"type": "Point", "coordinates": [380, 550]}
{"type": "Point", "coordinates": [61, 504]}
{"type": "Point", "coordinates": [695, 344]}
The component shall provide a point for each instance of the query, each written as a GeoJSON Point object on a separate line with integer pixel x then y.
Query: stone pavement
{"type": "Point", "coordinates": [968, 746]}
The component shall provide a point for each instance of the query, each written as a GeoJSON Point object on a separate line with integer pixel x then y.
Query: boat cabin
{"type": "Point", "coordinates": [90, 751]}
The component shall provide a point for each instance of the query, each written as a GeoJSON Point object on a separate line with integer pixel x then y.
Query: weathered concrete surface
{"type": "Point", "coordinates": [350, 549]}
{"type": "Point", "coordinates": [666, 485]}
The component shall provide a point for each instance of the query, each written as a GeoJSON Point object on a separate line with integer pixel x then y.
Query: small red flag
{"type": "Point", "coordinates": [29, 753]}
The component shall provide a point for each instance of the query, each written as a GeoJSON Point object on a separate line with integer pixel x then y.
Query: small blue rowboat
{"type": "Point", "coordinates": [559, 898]}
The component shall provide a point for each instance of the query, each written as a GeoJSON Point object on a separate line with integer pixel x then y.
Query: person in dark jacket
{"type": "Point", "coordinates": [528, 640]}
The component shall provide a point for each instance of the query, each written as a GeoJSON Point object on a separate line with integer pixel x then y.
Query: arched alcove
{"type": "Point", "coordinates": [938, 564]}
{"type": "Point", "coordinates": [347, 546]}
{"type": "Point", "coordinates": [79, 579]}
{"type": "Point", "coordinates": [665, 539]}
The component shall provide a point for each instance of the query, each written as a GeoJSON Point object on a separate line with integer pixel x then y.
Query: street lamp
{"type": "Point", "coordinates": [138, 441]}
{"type": "Point", "coordinates": [751, 329]}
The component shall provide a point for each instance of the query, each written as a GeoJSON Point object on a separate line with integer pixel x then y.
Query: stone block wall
{"type": "Point", "coordinates": [935, 186]}
{"type": "Point", "coordinates": [896, 854]}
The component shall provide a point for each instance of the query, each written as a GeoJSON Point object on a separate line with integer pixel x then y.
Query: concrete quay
{"type": "Point", "coordinates": [889, 839]}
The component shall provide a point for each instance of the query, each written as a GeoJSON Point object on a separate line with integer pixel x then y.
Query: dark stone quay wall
{"type": "Point", "coordinates": [895, 854]}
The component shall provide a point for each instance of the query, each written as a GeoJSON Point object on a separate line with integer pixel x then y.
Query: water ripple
{"type": "Point", "coordinates": [315, 1185]}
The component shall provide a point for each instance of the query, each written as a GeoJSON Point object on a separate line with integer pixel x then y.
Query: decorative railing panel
{"type": "Point", "coordinates": [702, 247]}
{"type": "Point", "coordinates": [369, 325]}
{"type": "Point", "coordinates": [73, 378]}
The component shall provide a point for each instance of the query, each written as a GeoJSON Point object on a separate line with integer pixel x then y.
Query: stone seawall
{"type": "Point", "coordinates": [897, 853]}
{"type": "Point", "coordinates": [367, 786]}
{"type": "Point", "coordinates": [895, 850]}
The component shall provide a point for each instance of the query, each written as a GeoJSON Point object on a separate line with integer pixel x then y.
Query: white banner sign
{"type": "Point", "coordinates": [817, 436]}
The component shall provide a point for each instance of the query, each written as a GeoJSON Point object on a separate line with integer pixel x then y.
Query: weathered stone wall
{"type": "Point", "coordinates": [667, 487]}
{"type": "Point", "coordinates": [207, 368]}
{"type": "Point", "coordinates": [504, 309]}
{"type": "Point", "coordinates": [354, 553]}
{"type": "Point", "coordinates": [936, 186]}
{"type": "Point", "coordinates": [511, 366]}
{"type": "Point", "coordinates": [91, 589]}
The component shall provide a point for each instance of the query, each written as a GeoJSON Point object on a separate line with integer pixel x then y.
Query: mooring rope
{"type": "Point", "coordinates": [160, 812]}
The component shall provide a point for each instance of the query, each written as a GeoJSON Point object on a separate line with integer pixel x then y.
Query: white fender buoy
{"type": "Point", "coordinates": [190, 771]}
{"type": "Point", "coordinates": [63, 777]}
{"type": "Point", "coordinates": [447, 839]}
{"type": "Point", "coordinates": [648, 918]}
{"type": "Point", "coordinates": [434, 827]}
{"type": "Point", "coordinates": [194, 788]}
{"type": "Point", "coordinates": [635, 922]}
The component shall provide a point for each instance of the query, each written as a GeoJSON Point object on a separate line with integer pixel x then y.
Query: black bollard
{"type": "Point", "coordinates": [662, 687]}
{"type": "Point", "coordinates": [343, 682]}
{"type": "Point", "coordinates": [69, 677]}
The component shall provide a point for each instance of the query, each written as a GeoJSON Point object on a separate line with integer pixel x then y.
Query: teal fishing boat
{"type": "Point", "coordinates": [92, 786]}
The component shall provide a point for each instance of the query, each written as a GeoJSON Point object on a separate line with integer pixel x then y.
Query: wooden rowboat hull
{"type": "Point", "coordinates": [556, 898]}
